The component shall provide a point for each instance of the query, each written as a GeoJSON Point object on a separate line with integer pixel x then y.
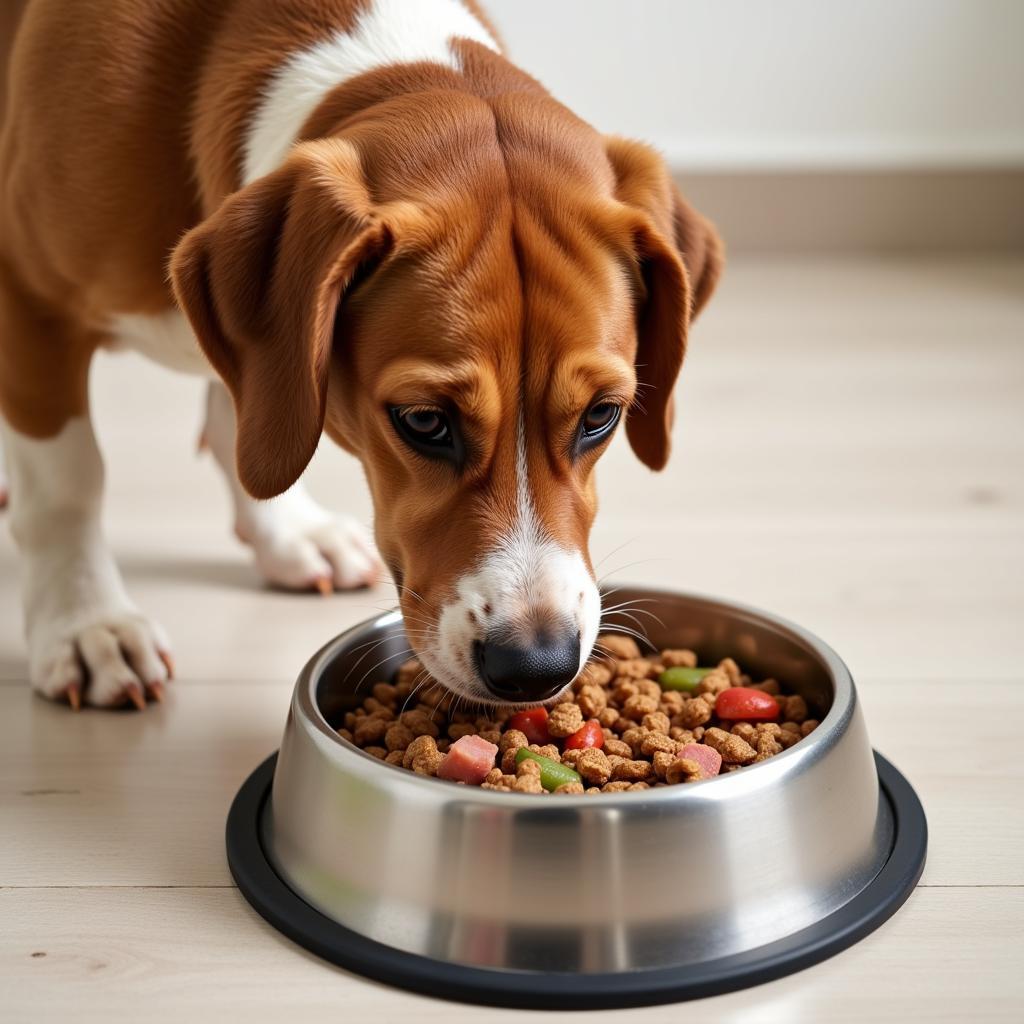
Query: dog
{"type": "Point", "coordinates": [358, 218]}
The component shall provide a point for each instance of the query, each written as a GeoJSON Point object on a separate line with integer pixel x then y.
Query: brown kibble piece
{"type": "Point", "coordinates": [410, 673]}
{"type": "Point", "coordinates": [608, 717]}
{"type": "Point", "coordinates": [592, 700]}
{"type": "Point", "coordinates": [528, 784]}
{"type": "Point", "coordinates": [639, 705]}
{"type": "Point", "coordinates": [420, 722]}
{"type": "Point", "coordinates": [767, 746]}
{"type": "Point", "coordinates": [673, 658]}
{"type": "Point", "coordinates": [656, 721]}
{"type": "Point", "coordinates": [733, 749]}
{"type": "Point", "coordinates": [671, 702]}
{"type": "Point", "coordinates": [593, 766]}
{"type": "Point", "coordinates": [597, 672]}
{"type": "Point", "coordinates": [617, 746]}
{"type": "Point", "coordinates": [569, 789]}
{"type": "Point", "coordinates": [657, 741]}
{"type": "Point", "coordinates": [384, 692]}
{"type": "Point", "coordinates": [634, 738]}
{"type": "Point", "coordinates": [527, 767]}
{"type": "Point", "coordinates": [788, 737]}
{"type": "Point", "coordinates": [808, 726]}
{"type": "Point", "coordinates": [632, 771]}
{"type": "Point", "coordinates": [796, 709]}
{"type": "Point", "coordinates": [420, 745]}
{"type": "Point", "coordinates": [731, 671]}
{"type": "Point", "coordinates": [636, 668]}
{"type": "Point", "coordinates": [649, 688]}
{"type": "Point", "coordinates": [370, 731]}
{"type": "Point", "coordinates": [624, 690]}
{"type": "Point", "coordinates": [564, 720]}
{"type": "Point", "coordinates": [714, 683]}
{"type": "Point", "coordinates": [398, 737]}
{"type": "Point", "coordinates": [746, 731]}
{"type": "Point", "coordinates": [695, 712]}
{"type": "Point", "coordinates": [375, 751]}
{"type": "Point", "coordinates": [621, 647]}
{"type": "Point", "coordinates": [512, 740]}
{"type": "Point", "coordinates": [683, 770]}
{"type": "Point", "coordinates": [395, 757]}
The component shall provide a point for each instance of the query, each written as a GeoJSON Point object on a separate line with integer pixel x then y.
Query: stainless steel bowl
{"type": "Point", "coordinates": [663, 878]}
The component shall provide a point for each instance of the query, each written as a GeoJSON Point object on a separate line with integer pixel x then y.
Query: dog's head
{"type": "Point", "coordinates": [473, 325]}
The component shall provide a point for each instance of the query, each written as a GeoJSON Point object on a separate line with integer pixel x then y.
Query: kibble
{"type": "Point", "coordinates": [645, 736]}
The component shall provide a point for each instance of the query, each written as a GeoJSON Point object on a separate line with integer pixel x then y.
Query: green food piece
{"type": "Point", "coordinates": [682, 678]}
{"type": "Point", "coordinates": [552, 773]}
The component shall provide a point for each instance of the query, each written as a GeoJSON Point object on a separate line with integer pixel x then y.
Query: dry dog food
{"type": "Point", "coordinates": [630, 722]}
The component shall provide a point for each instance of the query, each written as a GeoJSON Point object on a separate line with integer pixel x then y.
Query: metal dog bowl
{"type": "Point", "coordinates": [590, 901]}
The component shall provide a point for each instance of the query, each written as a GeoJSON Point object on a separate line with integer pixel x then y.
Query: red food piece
{"type": "Point", "coordinates": [709, 759]}
{"type": "Point", "coordinates": [741, 703]}
{"type": "Point", "coordinates": [468, 760]}
{"type": "Point", "coordinates": [533, 724]}
{"type": "Point", "coordinates": [589, 734]}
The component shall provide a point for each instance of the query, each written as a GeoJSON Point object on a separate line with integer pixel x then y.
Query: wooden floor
{"type": "Point", "coordinates": [850, 455]}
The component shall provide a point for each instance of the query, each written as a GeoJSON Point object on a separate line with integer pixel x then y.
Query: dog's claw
{"type": "Point", "coordinates": [134, 694]}
{"type": "Point", "coordinates": [168, 663]}
{"type": "Point", "coordinates": [156, 691]}
{"type": "Point", "coordinates": [74, 695]}
{"type": "Point", "coordinates": [324, 585]}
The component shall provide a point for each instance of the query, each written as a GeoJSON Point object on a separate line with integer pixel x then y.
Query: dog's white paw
{"type": "Point", "coordinates": [336, 554]}
{"type": "Point", "coordinates": [105, 660]}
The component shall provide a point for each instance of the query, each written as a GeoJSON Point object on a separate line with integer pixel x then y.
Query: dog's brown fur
{"type": "Point", "coordinates": [436, 237]}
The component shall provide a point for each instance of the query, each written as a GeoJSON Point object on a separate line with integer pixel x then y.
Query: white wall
{"type": "Point", "coordinates": [786, 83]}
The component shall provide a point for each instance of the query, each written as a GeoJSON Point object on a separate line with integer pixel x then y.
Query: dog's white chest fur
{"type": "Point", "coordinates": [166, 338]}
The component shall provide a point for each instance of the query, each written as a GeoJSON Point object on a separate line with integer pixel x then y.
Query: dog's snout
{"type": "Point", "coordinates": [514, 671]}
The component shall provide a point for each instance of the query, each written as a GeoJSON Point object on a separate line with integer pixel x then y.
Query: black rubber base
{"type": "Point", "coordinates": [290, 914]}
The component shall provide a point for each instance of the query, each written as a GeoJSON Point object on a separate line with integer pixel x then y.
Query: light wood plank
{"type": "Point", "coordinates": [951, 955]}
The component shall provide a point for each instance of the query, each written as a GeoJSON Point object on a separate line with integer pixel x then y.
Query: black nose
{"type": "Point", "coordinates": [514, 672]}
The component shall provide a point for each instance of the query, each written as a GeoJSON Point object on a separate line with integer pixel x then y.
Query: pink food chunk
{"type": "Point", "coordinates": [709, 759]}
{"type": "Point", "coordinates": [468, 760]}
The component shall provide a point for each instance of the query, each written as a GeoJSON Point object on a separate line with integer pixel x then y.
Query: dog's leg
{"type": "Point", "coordinates": [296, 543]}
{"type": "Point", "coordinates": [86, 638]}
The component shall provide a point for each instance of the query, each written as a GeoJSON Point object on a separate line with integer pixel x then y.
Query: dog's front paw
{"type": "Point", "coordinates": [335, 554]}
{"type": "Point", "coordinates": [106, 660]}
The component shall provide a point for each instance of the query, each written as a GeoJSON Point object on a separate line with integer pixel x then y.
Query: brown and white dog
{"type": "Point", "coordinates": [352, 216]}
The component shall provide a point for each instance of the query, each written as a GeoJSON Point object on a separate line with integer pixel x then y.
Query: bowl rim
{"type": "Point", "coordinates": [306, 710]}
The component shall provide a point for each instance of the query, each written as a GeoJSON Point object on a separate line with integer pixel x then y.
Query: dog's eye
{"type": "Point", "coordinates": [596, 425]}
{"type": "Point", "coordinates": [600, 418]}
{"type": "Point", "coordinates": [429, 426]}
{"type": "Point", "coordinates": [430, 432]}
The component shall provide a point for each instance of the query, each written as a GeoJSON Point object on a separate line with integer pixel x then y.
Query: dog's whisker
{"type": "Point", "coordinates": [615, 551]}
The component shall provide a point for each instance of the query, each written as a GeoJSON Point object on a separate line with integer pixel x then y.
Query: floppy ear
{"type": "Point", "coordinates": [680, 259]}
{"type": "Point", "coordinates": [260, 282]}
